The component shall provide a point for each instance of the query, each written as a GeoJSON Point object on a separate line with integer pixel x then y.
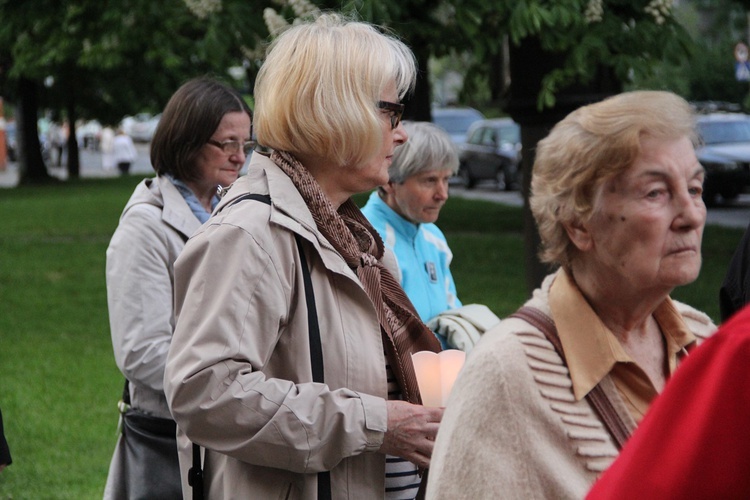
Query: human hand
{"type": "Point", "coordinates": [411, 431]}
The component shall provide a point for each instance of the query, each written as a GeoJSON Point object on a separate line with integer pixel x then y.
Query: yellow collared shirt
{"type": "Point", "coordinates": [592, 351]}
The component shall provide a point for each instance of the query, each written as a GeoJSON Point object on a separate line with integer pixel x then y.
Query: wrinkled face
{"type": "Point", "coordinates": [648, 222]}
{"type": "Point", "coordinates": [216, 166]}
{"type": "Point", "coordinates": [420, 197]}
{"type": "Point", "coordinates": [375, 172]}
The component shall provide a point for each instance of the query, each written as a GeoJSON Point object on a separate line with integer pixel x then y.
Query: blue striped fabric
{"type": "Point", "coordinates": [401, 478]}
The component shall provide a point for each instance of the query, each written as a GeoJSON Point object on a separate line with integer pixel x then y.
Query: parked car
{"type": "Point", "coordinates": [456, 121]}
{"type": "Point", "coordinates": [492, 152]}
{"type": "Point", "coordinates": [142, 126]}
{"type": "Point", "coordinates": [725, 154]}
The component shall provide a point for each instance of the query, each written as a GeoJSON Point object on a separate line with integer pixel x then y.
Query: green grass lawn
{"type": "Point", "coordinates": [58, 380]}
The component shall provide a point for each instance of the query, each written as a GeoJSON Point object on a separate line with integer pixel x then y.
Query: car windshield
{"type": "Point", "coordinates": [512, 135]}
{"type": "Point", "coordinates": [456, 124]}
{"type": "Point", "coordinates": [724, 132]}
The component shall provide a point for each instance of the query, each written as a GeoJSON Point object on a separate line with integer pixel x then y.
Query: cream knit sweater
{"type": "Point", "coordinates": [512, 427]}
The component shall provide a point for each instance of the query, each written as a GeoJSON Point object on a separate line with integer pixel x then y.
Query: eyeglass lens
{"type": "Point", "coordinates": [233, 147]}
{"type": "Point", "coordinates": [396, 111]}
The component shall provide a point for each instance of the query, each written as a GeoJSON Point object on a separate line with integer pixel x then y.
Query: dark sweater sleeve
{"type": "Point", "coordinates": [4, 450]}
{"type": "Point", "coordinates": [733, 294]}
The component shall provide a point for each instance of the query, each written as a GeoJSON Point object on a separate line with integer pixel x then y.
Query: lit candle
{"type": "Point", "coordinates": [436, 374]}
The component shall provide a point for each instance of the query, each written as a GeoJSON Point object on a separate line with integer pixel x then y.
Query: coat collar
{"type": "Point", "coordinates": [288, 209]}
{"type": "Point", "coordinates": [175, 212]}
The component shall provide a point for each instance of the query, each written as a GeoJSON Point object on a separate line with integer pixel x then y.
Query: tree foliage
{"type": "Point", "coordinates": [627, 36]}
{"type": "Point", "coordinates": [709, 74]}
{"type": "Point", "coordinates": [108, 59]}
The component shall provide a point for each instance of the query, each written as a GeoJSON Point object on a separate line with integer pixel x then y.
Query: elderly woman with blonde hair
{"type": "Point", "coordinates": [549, 396]}
{"type": "Point", "coordinates": [290, 364]}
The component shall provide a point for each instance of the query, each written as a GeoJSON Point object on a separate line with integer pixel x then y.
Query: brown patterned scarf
{"type": "Point", "coordinates": [362, 248]}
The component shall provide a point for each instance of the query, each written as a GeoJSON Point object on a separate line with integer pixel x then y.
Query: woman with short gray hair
{"type": "Point", "coordinates": [404, 212]}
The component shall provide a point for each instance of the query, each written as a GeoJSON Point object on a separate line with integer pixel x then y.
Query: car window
{"type": "Point", "coordinates": [488, 138]}
{"type": "Point", "coordinates": [455, 124]}
{"type": "Point", "coordinates": [510, 135]}
{"type": "Point", "coordinates": [724, 132]}
{"type": "Point", "coordinates": [476, 136]}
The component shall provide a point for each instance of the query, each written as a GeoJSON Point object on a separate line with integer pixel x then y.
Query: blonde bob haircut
{"type": "Point", "coordinates": [589, 146]}
{"type": "Point", "coordinates": [316, 94]}
{"type": "Point", "coordinates": [429, 148]}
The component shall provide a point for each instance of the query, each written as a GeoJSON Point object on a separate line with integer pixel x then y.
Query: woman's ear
{"type": "Point", "coordinates": [386, 189]}
{"type": "Point", "coordinates": [579, 235]}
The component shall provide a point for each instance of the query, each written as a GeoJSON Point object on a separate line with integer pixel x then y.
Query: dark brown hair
{"type": "Point", "coordinates": [188, 121]}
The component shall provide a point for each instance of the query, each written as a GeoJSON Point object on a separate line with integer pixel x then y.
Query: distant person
{"type": "Point", "coordinates": [200, 144]}
{"type": "Point", "coordinates": [404, 212]}
{"type": "Point", "coordinates": [694, 442]}
{"type": "Point", "coordinates": [290, 363]}
{"type": "Point", "coordinates": [5, 458]}
{"type": "Point", "coordinates": [616, 195]}
{"type": "Point", "coordinates": [734, 293]}
{"type": "Point", "coordinates": [107, 146]}
{"type": "Point", "coordinates": [124, 151]}
{"type": "Point", "coordinates": [56, 137]}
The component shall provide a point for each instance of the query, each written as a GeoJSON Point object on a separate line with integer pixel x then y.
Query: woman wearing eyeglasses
{"type": "Point", "coordinates": [200, 143]}
{"type": "Point", "coordinates": [279, 411]}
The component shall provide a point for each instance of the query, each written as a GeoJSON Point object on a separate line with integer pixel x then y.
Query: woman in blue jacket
{"type": "Point", "coordinates": [404, 212]}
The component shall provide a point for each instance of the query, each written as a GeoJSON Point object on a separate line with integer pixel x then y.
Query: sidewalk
{"type": "Point", "coordinates": [91, 166]}
{"type": "Point", "coordinates": [736, 215]}
{"type": "Point", "coordinates": [9, 176]}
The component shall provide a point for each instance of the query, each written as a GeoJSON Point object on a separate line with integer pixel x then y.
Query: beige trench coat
{"type": "Point", "coordinates": [238, 376]}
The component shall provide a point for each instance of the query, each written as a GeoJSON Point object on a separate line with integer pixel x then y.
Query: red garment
{"type": "Point", "coordinates": [694, 442]}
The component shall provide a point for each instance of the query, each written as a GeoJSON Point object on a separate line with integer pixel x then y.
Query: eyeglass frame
{"type": "Point", "coordinates": [393, 107]}
{"type": "Point", "coordinates": [246, 147]}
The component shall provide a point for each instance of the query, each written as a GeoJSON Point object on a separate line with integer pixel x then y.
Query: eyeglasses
{"type": "Point", "coordinates": [233, 147]}
{"type": "Point", "coordinates": [396, 111]}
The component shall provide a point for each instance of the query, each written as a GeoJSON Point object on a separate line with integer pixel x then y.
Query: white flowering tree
{"type": "Point", "coordinates": [626, 36]}
{"type": "Point", "coordinates": [563, 53]}
{"type": "Point", "coordinates": [566, 53]}
{"type": "Point", "coordinates": [246, 26]}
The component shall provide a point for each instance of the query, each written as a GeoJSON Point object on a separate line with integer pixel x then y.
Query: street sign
{"type": "Point", "coordinates": [741, 67]}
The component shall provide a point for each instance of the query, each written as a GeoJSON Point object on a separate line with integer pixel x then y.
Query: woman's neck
{"type": "Point", "coordinates": [327, 177]}
{"type": "Point", "coordinates": [204, 193]}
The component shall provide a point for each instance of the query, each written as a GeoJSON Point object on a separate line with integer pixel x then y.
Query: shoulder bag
{"type": "Point", "coordinates": [150, 467]}
{"type": "Point", "coordinates": [596, 397]}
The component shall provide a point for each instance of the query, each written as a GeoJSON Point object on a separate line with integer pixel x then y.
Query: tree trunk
{"type": "Point", "coordinates": [418, 105]}
{"type": "Point", "coordinates": [74, 164]}
{"type": "Point", "coordinates": [528, 66]}
{"type": "Point", "coordinates": [30, 163]}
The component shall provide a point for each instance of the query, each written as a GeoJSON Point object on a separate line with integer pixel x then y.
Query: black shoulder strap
{"type": "Point", "coordinates": [316, 352]}
{"type": "Point", "coordinates": [126, 393]}
{"type": "Point", "coordinates": [316, 348]}
{"type": "Point", "coordinates": [597, 397]}
{"type": "Point", "coordinates": [264, 198]}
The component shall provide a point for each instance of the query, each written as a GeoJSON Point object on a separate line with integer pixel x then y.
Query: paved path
{"type": "Point", "coordinates": [736, 215]}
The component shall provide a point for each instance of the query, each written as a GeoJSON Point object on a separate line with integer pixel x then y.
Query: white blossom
{"type": "Point", "coordinates": [594, 11]}
{"type": "Point", "coordinates": [275, 23]}
{"type": "Point", "coordinates": [659, 9]}
{"type": "Point", "coordinates": [202, 8]}
{"type": "Point", "coordinates": [303, 9]}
